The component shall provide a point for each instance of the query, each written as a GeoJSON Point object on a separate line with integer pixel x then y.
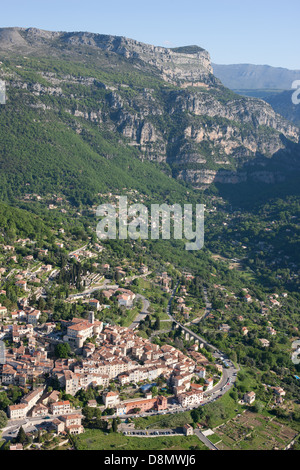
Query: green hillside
{"type": "Point", "coordinates": [83, 119]}
{"type": "Point", "coordinates": [42, 151]}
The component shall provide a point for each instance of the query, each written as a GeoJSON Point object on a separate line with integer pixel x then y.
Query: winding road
{"type": "Point", "coordinates": [229, 374]}
{"type": "Point", "coordinates": [143, 313]}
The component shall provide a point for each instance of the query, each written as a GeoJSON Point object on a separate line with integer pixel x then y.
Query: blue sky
{"type": "Point", "coordinates": [233, 31]}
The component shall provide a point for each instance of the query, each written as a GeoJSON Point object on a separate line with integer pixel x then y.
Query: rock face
{"type": "Point", "coordinates": [10, 38]}
{"type": "Point", "coordinates": [174, 66]}
{"type": "Point", "coordinates": [250, 111]}
{"type": "Point", "coordinates": [166, 103]}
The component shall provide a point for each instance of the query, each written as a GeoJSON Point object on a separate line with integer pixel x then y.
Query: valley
{"type": "Point", "coordinates": [105, 334]}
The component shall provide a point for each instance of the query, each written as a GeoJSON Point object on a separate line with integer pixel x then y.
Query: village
{"type": "Point", "coordinates": [119, 357]}
{"type": "Point", "coordinates": [98, 335]}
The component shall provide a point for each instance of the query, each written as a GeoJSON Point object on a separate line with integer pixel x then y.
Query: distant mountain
{"type": "Point", "coordinates": [282, 103]}
{"type": "Point", "coordinates": [255, 77]}
{"type": "Point", "coordinates": [271, 84]}
{"type": "Point", "coordinates": [87, 112]}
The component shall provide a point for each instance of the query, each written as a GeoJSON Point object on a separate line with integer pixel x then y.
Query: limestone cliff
{"type": "Point", "coordinates": [166, 103]}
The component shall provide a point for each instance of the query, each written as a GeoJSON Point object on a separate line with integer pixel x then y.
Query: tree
{"type": "Point", "coordinates": [21, 437]}
{"type": "Point", "coordinates": [258, 407]}
{"type": "Point", "coordinates": [136, 410]}
{"type": "Point", "coordinates": [108, 411]}
{"type": "Point", "coordinates": [114, 425]}
{"type": "Point", "coordinates": [197, 414]}
{"type": "Point", "coordinates": [62, 350]}
{"type": "Point", "coordinates": [3, 419]}
{"type": "Point", "coordinates": [4, 401]}
{"type": "Point", "coordinates": [157, 324]}
{"type": "Point", "coordinates": [41, 304]}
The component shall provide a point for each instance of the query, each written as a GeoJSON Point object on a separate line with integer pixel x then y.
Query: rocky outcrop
{"type": "Point", "coordinates": [173, 66]}
{"type": "Point", "coordinates": [198, 178]}
{"type": "Point", "coordinates": [202, 178]}
{"type": "Point", "coordinates": [244, 110]}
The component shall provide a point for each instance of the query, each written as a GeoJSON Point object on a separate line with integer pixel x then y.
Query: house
{"type": "Point", "coordinates": [143, 269]}
{"type": "Point", "coordinates": [264, 342]}
{"type": "Point", "coordinates": [79, 330]}
{"type": "Point", "coordinates": [200, 372]}
{"type": "Point", "coordinates": [279, 395]}
{"type": "Point", "coordinates": [32, 398]}
{"type": "Point", "coordinates": [17, 411]}
{"type": "Point", "coordinates": [88, 349]}
{"type": "Point", "coordinates": [279, 391]}
{"type": "Point", "coordinates": [249, 398]}
{"type": "Point", "coordinates": [75, 429]}
{"type": "Point", "coordinates": [47, 267]}
{"type": "Point", "coordinates": [125, 300]}
{"type": "Point", "coordinates": [271, 331]}
{"type": "Point", "coordinates": [3, 311]}
{"type": "Point", "coordinates": [188, 430]}
{"type": "Point", "coordinates": [23, 302]}
{"type": "Point", "coordinates": [121, 410]}
{"type": "Point", "coordinates": [73, 423]}
{"type": "Point", "coordinates": [71, 382]}
{"type": "Point", "coordinates": [33, 317]}
{"type": "Point", "coordinates": [14, 315]}
{"type": "Point", "coordinates": [60, 407]}
{"type": "Point", "coordinates": [274, 303]}
{"type": "Point", "coordinates": [94, 303]}
{"type": "Point", "coordinates": [16, 447]}
{"type": "Point", "coordinates": [111, 399]}
{"type": "Point", "coordinates": [190, 398]}
{"type": "Point", "coordinates": [264, 311]}
{"type": "Point", "coordinates": [92, 404]}
{"type": "Point", "coordinates": [196, 387]}
{"type": "Point", "coordinates": [120, 272]}
{"type": "Point", "coordinates": [224, 327]}
{"type": "Point", "coordinates": [51, 397]}
{"type": "Point", "coordinates": [98, 247]}
{"type": "Point", "coordinates": [22, 284]}
{"type": "Point", "coordinates": [108, 293]}
{"type": "Point", "coordinates": [58, 425]}
{"type": "Point", "coordinates": [8, 374]}
{"type": "Point", "coordinates": [39, 410]}
{"type": "Point", "coordinates": [136, 406]}
{"type": "Point", "coordinates": [49, 327]}
{"type": "Point", "coordinates": [209, 383]}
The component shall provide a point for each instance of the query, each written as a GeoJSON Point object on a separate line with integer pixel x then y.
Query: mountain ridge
{"type": "Point", "coordinates": [199, 63]}
{"type": "Point", "coordinates": [251, 76]}
{"type": "Point", "coordinates": [157, 104]}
